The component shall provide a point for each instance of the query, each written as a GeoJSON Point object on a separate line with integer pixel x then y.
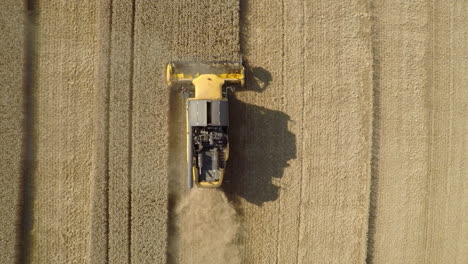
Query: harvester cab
{"type": "Point", "coordinates": [206, 86]}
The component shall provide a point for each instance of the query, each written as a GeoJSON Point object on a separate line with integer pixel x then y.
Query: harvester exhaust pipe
{"type": "Point", "coordinates": [200, 163]}
{"type": "Point", "coordinates": [214, 159]}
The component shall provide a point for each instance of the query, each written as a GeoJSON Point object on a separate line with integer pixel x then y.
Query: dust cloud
{"type": "Point", "coordinates": [208, 227]}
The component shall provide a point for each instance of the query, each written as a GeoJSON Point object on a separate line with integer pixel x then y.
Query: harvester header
{"type": "Point", "coordinates": [186, 72]}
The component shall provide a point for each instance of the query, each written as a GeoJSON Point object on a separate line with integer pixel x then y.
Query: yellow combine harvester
{"type": "Point", "coordinates": [206, 85]}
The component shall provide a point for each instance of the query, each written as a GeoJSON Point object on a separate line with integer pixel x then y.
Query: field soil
{"type": "Point", "coordinates": [348, 141]}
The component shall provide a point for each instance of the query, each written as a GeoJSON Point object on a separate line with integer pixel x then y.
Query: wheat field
{"type": "Point", "coordinates": [348, 142]}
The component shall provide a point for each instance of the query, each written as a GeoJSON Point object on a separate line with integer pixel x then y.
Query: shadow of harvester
{"type": "Point", "coordinates": [260, 147]}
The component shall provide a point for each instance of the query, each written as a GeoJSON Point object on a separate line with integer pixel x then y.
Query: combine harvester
{"type": "Point", "coordinates": [205, 86]}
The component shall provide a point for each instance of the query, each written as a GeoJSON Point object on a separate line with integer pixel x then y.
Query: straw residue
{"type": "Point", "coordinates": [208, 227]}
